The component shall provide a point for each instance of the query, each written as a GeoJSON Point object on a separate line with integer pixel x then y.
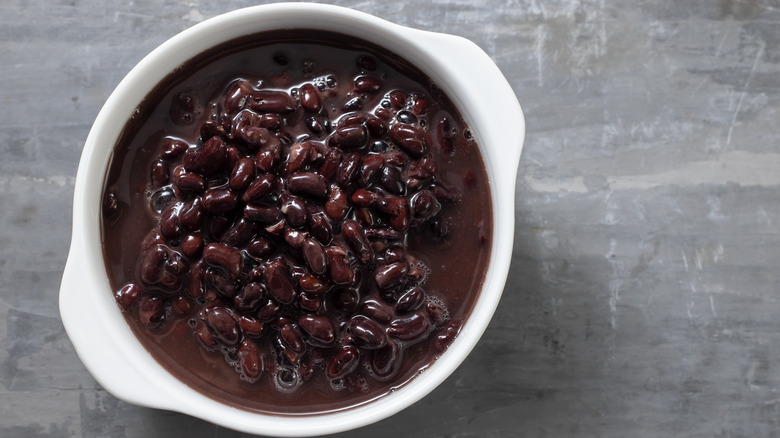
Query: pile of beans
{"type": "Point", "coordinates": [281, 235]}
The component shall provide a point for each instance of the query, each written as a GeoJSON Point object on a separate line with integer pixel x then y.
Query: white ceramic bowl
{"type": "Point", "coordinates": [93, 321]}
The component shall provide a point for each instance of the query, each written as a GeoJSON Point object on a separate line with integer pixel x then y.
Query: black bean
{"type": "Point", "coordinates": [294, 209]}
{"type": "Point", "coordinates": [128, 295]}
{"type": "Point", "coordinates": [344, 362]}
{"type": "Point", "coordinates": [390, 275]}
{"type": "Point", "coordinates": [170, 223]}
{"type": "Point", "coordinates": [250, 326]}
{"type": "Point", "coordinates": [338, 266]}
{"type": "Point", "coordinates": [272, 102]}
{"type": "Point", "coordinates": [224, 257]}
{"type": "Point", "coordinates": [259, 188]}
{"type": "Point", "coordinates": [250, 360]}
{"type": "Point", "coordinates": [367, 332]}
{"type": "Point", "coordinates": [261, 247]}
{"type": "Point", "coordinates": [173, 148]}
{"type": "Point", "coordinates": [367, 84]}
{"type": "Point", "coordinates": [424, 205]}
{"type": "Point", "coordinates": [319, 330]}
{"type": "Point", "coordinates": [292, 338]}
{"type": "Point", "coordinates": [319, 228]}
{"type": "Point", "coordinates": [240, 233]}
{"type": "Point", "coordinates": [377, 311]}
{"type": "Point", "coordinates": [312, 285]}
{"type": "Point", "coordinates": [159, 173]}
{"type": "Point", "coordinates": [151, 310]}
{"type": "Point", "coordinates": [310, 98]}
{"type": "Point", "coordinates": [308, 184]}
{"type": "Point", "coordinates": [263, 213]}
{"type": "Point", "coordinates": [223, 326]}
{"type": "Point", "coordinates": [192, 215]}
{"type": "Point", "coordinates": [410, 300]}
{"type": "Point", "coordinates": [207, 159]}
{"type": "Point", "coordinates": [219, 200]}
{"type": "Point", "coordinates": [349, 138]}
{"type": "Point", "coordinates": [353, 234]}
{"type": "Point", "coordinates": [250, 297]}
{"type": "Point", "coordinates": [330, 164]}
{"type": "Point", "coordinates": [386, 361]}
{"type": "Point", "coordinates": [409, 138]}
{"type": "Point", "coordinates": [411, 328]}
{"type": "Point", "coordinates": [278, 281]}
{"type": "Point", "coordinates": [242, 175]}
{"type": "Point", "coordinates": [336, 207]}
{"type": "Point", "coordinates": [390, 180]}
{"type": "Point", "coordinates": [152, 264]}
{"type": "Point", "coordinates": [188, 181]}
{"type": "Point", "coordinates": [314, 255]}
{"type": "Point", "coordinates": [348, 169]}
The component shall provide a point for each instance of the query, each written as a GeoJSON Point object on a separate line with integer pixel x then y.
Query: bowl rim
{"type": "Point", "coordinates": [84, 275]}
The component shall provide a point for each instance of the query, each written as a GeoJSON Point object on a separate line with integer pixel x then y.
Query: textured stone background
{"type": "Point", "coordinates": [643, 295]}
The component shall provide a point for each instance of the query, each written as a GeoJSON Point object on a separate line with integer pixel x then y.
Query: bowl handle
{"type": "Point", "coordinates": [108, 363]}
{"type": "Point", "coordinates": [472, 63]}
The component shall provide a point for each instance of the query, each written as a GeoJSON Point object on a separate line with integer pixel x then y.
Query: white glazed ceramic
{"type": "Point", "coordinates": [92, 319]}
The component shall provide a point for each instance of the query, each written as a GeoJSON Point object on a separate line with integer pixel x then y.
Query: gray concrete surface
{"type": "Point", "coordinates": [643, 296]}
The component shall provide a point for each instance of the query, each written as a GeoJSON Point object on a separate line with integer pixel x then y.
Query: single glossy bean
{"type": "Point", "coordinates": [192, 245]}
{"type": "Point", "coordinates": [207, 159]}
{"type": "Point", "coordinates": [243, 174]}
{"type": "Point", "coordinates": [261, 247]}
{"type": "Point", "coordinates": [277, 279]}
{"type": "Point", "coordinates": [292, 338]}
{"type": "Point", "coordinates": [390, 180]}
{"type": "Point", "coordinates": [308, 303]}
{"type": "Point", "coordinates": [240, 233]}
{"type": "Point", "coordinates": [250, 297]}
{"type": "Point", "coordinates": [308, 184]}
{"type": "Point", "coordinates": [353, 234]}
{"type": "Point", "coordinates": [348, 169]}
{"type": "Point", "coordinates": [224, 257]}
{"type": "Point", "coordinates": [251, 326]}
{"type": "Point", "coordinates": [336, 206]}
{"type": "Point", "coordinates": [344, 362]}
{"type": "Point", "coordinates": [312, 285]}
{"type": "Point", "coordinates": [152, 264]}
{"type": "Point", "coordinates": [410, 300]}
{"type": "Point", "coordinates": [409, 138]}
{"type": "Point", "coordinates": [151, 310]}
{"type": "Point", "coordinates": [377, 311]}
{"type": "Point", "coordinates": [338, 266]}
{"type": "Point", "coordinates": [367, 84]}
{"type": "Point", "coordinates": [219, 200]}
{"type": "Point", "coordinates": [314, 255]}
{"type": "Point", "coordinates": [349, 138]}
{"type": "Point", "coordinates": [411, 328]}
{"type": "Point", "coordinates": [173, 148]}
{"type": "Point", "coordinates": [294, 209]}
{"type": "Point", "coordinates": [319, 330]}
{"type": "Point", "coordinates": [128, 295]}
{"type": "Point", "coordinates": [263, 213]}
{"type": "Point", "coordinates": [320, 228]}
{"type": "Point", "coordinates": [367, 332]}
{"type": "Point", "coordinates": [159, 173]}
{"type": "Point", "coordinates": [170, 223]}
{"type": "Point", "coordinates": [330, 164]}
{"type": "Point", "coordinates": [272, 102]}
{"type": "Point", "coordinates": [188, 181]}
{"type": "Point", "coordinates": [223, 326]}
{"type": "Point", "coordinates": [249, 360]}
{"type": "Point", "coordinates": [310, 98]}
{"type": "Point", "coordinates": [390, 275]}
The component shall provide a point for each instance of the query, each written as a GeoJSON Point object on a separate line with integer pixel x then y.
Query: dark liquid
{"type": "Point", "coordinates": [454, 251]}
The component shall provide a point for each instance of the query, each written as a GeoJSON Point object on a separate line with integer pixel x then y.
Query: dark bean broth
{"type": "Point", "coordinates": [444, 223]}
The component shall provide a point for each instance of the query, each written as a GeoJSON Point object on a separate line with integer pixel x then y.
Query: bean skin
{"type": "Point", "coordinates": [338, 267]}
{"type": "Point", "coordinates": [319, 330]}
{"type": "Point", "coordinates": [250, 297]}
{"type": "Point", "coordinates": [349, 138]}
{"type": "Point", "coordinates": [294, 209]}
{"type": "Point", "coordinates": [410, 300]}
{"type": "Point", "coordinates": [173, 148]}
{"type": "Point", "coordinates": [390, 275]}
{"type": "Point", "coordinates": [424, 205]}
{"type": "Point", "coordinates": [269, 311]}
{"type": "Point", "coordinates": [308, 184]}
{"type": "Point", "coordinates": [278, 282]}
{"type": "Point", "coordinates": [344, 362]}
{"type": "Point", "coordinates": [170, 223]}
{"type": "Point", "coordinates": [377, 311]}
{"type": "Point", "coordinates": [240, 233]}
{"type": "Point", "coordinates": [411, 328]}
{"type": "Point", "coordinates": [272, 102]}
{"type": "Point", "coordinates": [312, 285]}
{"type": "Point", "coordinates": [223, 326]}
{"type": "Point", "coordinates": [249, 360]}
{"type": "Point", "coordinates": [251, 326]}
{"type": "Point", "coordinates": [237, 95]}
{"type": "Point", "coordinates": [261, 247]}
{"type": "Point", "coordinates": [370, 84]}
{"type": "Point", "coordinates": [368, 333]}
{"type": "Point", "coordinates": [263, 213]}
{"type": "Point", "coordinates": [355, 238]}
{"type": "Point", "coordinates": [336, 207]}
{"type": "Point", "coordinates": [151, 311]}
{"type": "Point", "coordinates": [348, 169]}
{"type": "Point", "coordinates": [219, 200]}
{"type": "Point", "coordinates": [223, 257]}
{"type": "Point", "coordinates": [390, 180]}
{"type": "Point", "coordinates": [320, 228]}
{"type": "Point", "coordinates": [128, 295]}
{"type": "Point", "coordinates": [188, 181]}
{"type": "Point", "coordinates": [368, 169]}
{"type": "Point", "coordinates": [314, 255]}
{"type": "Point", "coordinates": [308, 303]}
{"type": "Point", "coordinates": [292, 338]}
{"type": "Point", "coordinates": [310, 98]}
{"type": "Point", "coordinates": [330, 164]}
{"type": "Point", "coordinates": [386, 361]}
{"type": "Point", "coordinates": [409, 138]}
{"type": "Point", "coordinates": [207, 159]}
{"type": "Point", "coordinates": [192, 245]}
{"type": "Point", "coordinates": [152, 264]}
{"type": "Point", "coordinates": [242, 175]}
